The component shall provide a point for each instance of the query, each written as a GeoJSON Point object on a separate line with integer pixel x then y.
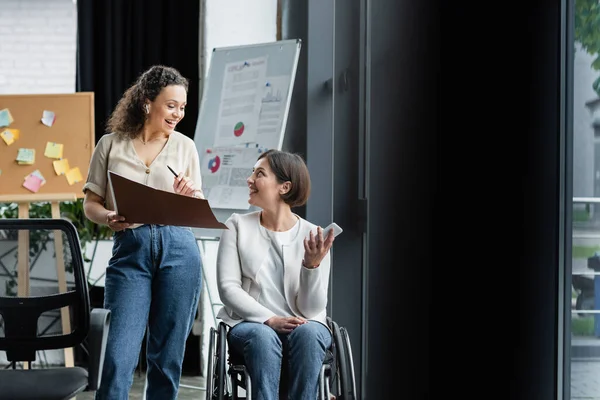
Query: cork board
{"type": "Point", "coordinates": [73, 127]}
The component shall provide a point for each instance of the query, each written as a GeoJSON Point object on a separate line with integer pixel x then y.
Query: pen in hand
{"type": "Point", "coordinates": [178, 179]}
{"type": "Point", "coordinates": [174, 173]}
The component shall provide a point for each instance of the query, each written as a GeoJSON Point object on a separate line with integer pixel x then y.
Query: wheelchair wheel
{"type": "Point", "coordinates": [344, 383]}
{"type": "Point", "coordinates": [210, 375]}
{"type": "Point", "coordinates": [350, 360]}
{"type": "Point", "coordinates": [216, 381]}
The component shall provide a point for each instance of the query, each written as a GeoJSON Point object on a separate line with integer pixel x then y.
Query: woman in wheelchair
{"type": "Point", "coordinates": [273, 275]}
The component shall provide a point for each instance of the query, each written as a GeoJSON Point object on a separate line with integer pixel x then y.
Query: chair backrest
{"type": "Point", "coordinates": [44, 299]}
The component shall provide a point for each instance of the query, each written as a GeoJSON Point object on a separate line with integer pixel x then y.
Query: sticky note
{"type": "Point", "coordinates": [53, 150]}
{"type": "Point", "coordinates": [9, 136]}
{"type": "Point", "coordinates": [48, 118]}
{"type": "Point", "coordinates": [5, 117]}
{"type": "Point", "coordinates": [32, 183]}
{"type": "Point", "coordinates": [61, 166]}
{"type": "Point", "coordinates": [39, 175]}
{"type": "Point", "coordinates": [26, 156]}
{"type": "Point", "coordinates": [74, 176]}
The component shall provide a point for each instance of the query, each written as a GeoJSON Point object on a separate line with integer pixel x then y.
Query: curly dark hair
{"type": "Point", "coordinates": [128, 117]}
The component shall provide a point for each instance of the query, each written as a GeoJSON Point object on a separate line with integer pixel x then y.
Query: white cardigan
{"type": "Point", "coordinates": [242, 250]}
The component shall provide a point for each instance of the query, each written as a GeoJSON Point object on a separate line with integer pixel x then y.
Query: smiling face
{"type": "Point", "coordinates": [167, 109]}
{"type": "Point", "coordinates": [265, 190]}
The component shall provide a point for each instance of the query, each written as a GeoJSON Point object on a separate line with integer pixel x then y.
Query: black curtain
{"type": "Point", "coordinates": [119, 39]}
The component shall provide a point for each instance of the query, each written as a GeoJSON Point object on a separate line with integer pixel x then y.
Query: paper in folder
{"type": "Point", "coordinates": [143, 204]}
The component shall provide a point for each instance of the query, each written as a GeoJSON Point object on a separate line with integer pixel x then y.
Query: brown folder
{"type": "Point", "coordinates": [143, 204]}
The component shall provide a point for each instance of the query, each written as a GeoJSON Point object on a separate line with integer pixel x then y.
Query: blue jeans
{"type": "Point", "coordinates": [263, 350]}
{"type": "Point", "coordinates": [153, 283]}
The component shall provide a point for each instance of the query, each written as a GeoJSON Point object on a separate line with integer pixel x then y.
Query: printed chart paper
{"type": "Point", "coordinates": [272, 112]}
{"type": "Point", "coordinates": [224, 172]}
{"type": "Point", "coordinates": [240, 103]}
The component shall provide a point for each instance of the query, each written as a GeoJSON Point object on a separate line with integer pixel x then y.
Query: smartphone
{"type": "Point", "coordinates": [336, 229]}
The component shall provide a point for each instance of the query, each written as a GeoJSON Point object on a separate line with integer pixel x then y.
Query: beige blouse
{"type": "Point", "coordinates": [118, 155]}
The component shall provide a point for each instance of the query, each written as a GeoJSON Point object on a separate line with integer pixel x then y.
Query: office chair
{"type": "Point", "coordinates": [22, 314]}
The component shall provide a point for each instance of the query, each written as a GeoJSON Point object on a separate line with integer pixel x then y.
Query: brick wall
{"type": "Point", "coordinates": [37, 46]}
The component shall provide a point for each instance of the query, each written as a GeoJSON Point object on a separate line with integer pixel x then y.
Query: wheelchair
{"type": "Point", "coordinates": [226, 372]}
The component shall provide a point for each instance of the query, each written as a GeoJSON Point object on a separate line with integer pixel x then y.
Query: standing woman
{"type": "Point", "coordinates": [153, 278]}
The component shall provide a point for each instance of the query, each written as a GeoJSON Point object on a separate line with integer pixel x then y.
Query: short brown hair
{"type": "Point", "coordinates": [128, 117]}
{"type": "Point", "coordinates": [290, 167]}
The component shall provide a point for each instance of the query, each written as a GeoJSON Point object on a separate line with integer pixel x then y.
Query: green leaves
{"type": "Point", "coordinates": [587, 30]}
{"type": "Point", "coordinates": [587, 25]}
{"type": "Point", "coordinates": [596, 63]}
{"type": "Point", "coordinates": [87, 230]}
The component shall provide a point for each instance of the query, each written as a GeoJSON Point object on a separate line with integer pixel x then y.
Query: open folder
{"type": "Point", "coordinates": [143, 204]}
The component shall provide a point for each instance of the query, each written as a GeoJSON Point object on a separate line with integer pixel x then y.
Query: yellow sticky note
{"type": "Point", "coordinates": [53, 150]}
{"type": "Point", "coordinates": [61, 166]}
{"type": "Point", "coordinates": [74, 176]}
{"type": "Point", "coordinates": [9, 136]}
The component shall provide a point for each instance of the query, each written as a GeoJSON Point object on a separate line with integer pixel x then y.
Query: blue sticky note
{"type": "Point", "coordinates": [5, 117]}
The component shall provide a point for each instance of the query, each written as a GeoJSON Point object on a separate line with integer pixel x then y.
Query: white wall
{"type": "Point", "coordinates": [37, 46]}
{"type": "Point", "coordinates": [238, 22]}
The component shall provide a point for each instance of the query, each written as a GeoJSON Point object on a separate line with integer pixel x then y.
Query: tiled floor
{"type": "Point", "coordinates": [585, 380]}
{"type": "Point", "coordinates": [188, 389]}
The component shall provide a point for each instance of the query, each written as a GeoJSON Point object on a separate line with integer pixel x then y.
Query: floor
{"type": "Point", "coordinates": [189, 389]}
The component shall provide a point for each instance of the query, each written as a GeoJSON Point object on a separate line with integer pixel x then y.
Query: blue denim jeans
{"type": "Point", "coordinates": [153, 283]}
{"type": "Point", "coordinates": [263, 350]}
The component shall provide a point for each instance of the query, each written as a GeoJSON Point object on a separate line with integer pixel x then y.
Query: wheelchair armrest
{"type": "Point", "coordinates": [97, 337]}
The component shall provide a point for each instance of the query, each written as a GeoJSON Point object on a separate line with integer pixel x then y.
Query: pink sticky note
{"type": "Point", "coordinates": [32, 183]}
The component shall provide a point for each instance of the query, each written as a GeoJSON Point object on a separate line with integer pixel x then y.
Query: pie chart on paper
{"type": "Point", "coordinates": [214, 164]}
{"type": "Point", "coordinates": [238, 129]}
